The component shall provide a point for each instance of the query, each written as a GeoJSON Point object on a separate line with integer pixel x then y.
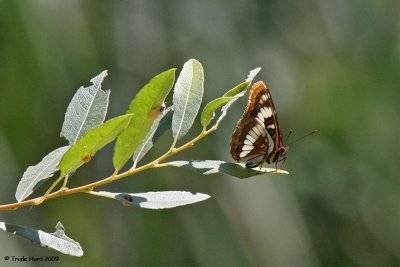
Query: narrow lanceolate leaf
{"type": "Point", "coordinates": [209, 110]}
{"type": "Point", "coordinates": [36, 175]}
{"type": "Point", "coordinates": [238, 89]}
{"type": "Point", "coordinates": [159, 127]}
{"type": "Point", "coordinates": [86, 110]}
{"type": "Point", "coordinates": [239, 93]}
{"type": "Point", "coordinates": [145, 107]}
{"type": "Point", "coordinates": [188, 93]}
{"type": "Point", "coordinates": [207, 167]}
{"type": "Point", "coordinates": [156, 200]}
{"type": "Point", "coordinates": [95, 139]}
{"type": "Point", "coordinates": [57, 240]}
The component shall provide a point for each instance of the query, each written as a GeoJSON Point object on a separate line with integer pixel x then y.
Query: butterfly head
{"type": "Point", "coordinates": [282, 151]}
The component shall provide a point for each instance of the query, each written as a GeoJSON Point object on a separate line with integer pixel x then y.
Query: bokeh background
{"type": "Point", "coordinates": [333, 66]}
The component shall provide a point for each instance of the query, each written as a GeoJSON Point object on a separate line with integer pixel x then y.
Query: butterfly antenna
{"type": "Point", "coordinates": [287, 137]}
{"type": "Point", "coordinates": [312, 132]}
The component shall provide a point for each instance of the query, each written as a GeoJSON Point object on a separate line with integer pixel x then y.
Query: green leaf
{"type": "Point", "coordinates": [95, 139]}
{"type": "Point", "coordinates": [159, 127]}
{"type": "Point", "coordinates": [237, 89]}
{"type": "Point", "coordinates": [207, 167]}
{"type": "Point", "coordinates": [86, 110]}
{"type": "Point", "coordinates": [240, 92]}
{"type": "Point", "coordinates": [188, 93]}
{"type": "Point", "coordinates": [145, 108]}
{"type": "Point", "coordinates": [57, 240]}
{"type": "Point", "coordinates": [156, 200]}
{"type": "Point", "coordinates": [209, 110]}
{"type": "Point", "coordinates": [36, 175]}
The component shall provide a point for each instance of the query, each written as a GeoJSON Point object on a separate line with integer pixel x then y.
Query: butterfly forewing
{"type": "Point", "coordinates": [257, 136]}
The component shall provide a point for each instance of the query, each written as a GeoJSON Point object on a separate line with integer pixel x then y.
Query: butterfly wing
{"type": "Point", "coordinates": [257, 136]}
{"type": "Point", "coordinates": [250, 148]}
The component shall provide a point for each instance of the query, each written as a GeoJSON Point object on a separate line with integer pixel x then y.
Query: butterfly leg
{"type": "Point", "coordinates": [283, 160]}
{"type": "Point", "coordinates": [259, 170]}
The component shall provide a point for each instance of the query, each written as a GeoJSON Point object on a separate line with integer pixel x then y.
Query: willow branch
{"type": "Point", "coordinates": [89, 187]}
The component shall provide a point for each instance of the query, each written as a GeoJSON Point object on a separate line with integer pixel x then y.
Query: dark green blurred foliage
{"type": "Point", "coordinates": [331, 65]}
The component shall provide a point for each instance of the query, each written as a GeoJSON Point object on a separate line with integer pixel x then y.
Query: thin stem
{"type": "Point", "coordinates": [65, 181]}
{"type": "Point", "coordinates": [43, 198]}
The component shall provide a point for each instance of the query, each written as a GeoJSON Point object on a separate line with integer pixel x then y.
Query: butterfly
{"type": "Point", "coordinates": [257, 137]}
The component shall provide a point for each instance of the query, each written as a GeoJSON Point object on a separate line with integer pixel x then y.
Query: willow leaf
{"type": "Point", "coordinates": [238, 89]}
{"type": "Point", "coordinates": [86, 110]}
{"type": "Point", "coordinates": [159, 127]}
{"type": "Point", "coordinates": [95, 139]}
{"type": "Point", "coordinates": [57, 241]}
{"type": "Point", "coordinates": [188, 93]}
{"type": "Point", "coordinates": [36, 175]}
{"type": "Point", "coordinates": [208, 112]}
{"type": "Point", "coordinates": [156, 200]}
{"type": "Point", "coordinates": [145, 108]}
{"type": "Point", "coordinates": [207, 167]}
{"type": "Point", "coordinates": [239, 93]}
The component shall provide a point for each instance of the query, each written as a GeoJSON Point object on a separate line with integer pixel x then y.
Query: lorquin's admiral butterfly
{"type": "Point", "coordinates": [257, 137]}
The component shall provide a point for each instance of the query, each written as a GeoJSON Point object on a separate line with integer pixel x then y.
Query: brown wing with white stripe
{"type": "Point", "coordinates": [257, 137]}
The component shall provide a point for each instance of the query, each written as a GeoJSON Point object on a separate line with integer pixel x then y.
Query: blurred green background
{"type": "Point", "coordinates": [331, 65]}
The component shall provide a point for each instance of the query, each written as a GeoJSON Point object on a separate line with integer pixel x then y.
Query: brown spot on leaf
{"type": "Point", "coordinates": [87, 158]}
{"type": "Point", "coordinates": [154, 112]}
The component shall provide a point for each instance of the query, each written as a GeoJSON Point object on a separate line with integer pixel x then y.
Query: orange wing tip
{"type": "Point", "coordinates": [260, 85]}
